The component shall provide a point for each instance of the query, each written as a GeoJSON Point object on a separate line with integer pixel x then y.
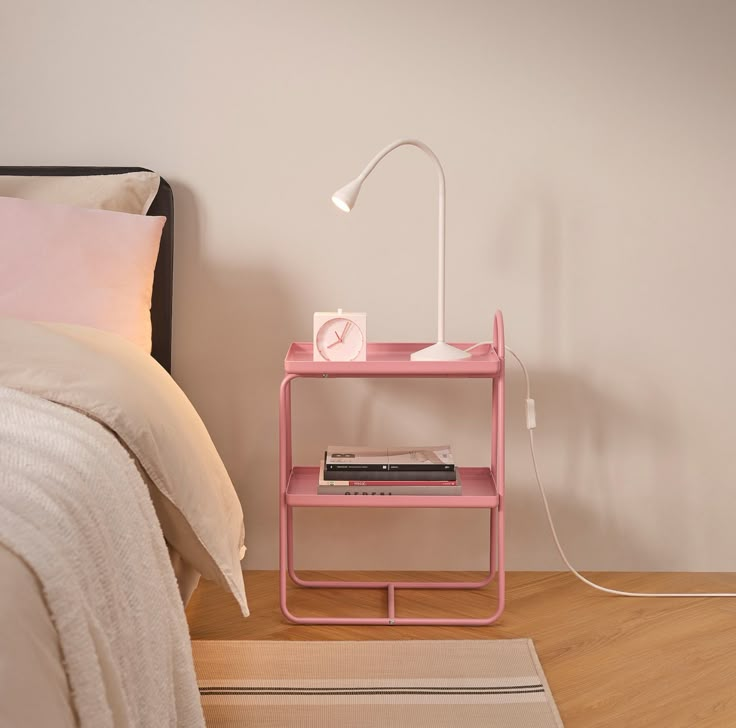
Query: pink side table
{"type": "Point", "coordinates": [482, 487]}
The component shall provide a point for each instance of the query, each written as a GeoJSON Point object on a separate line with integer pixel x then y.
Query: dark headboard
{"type": "Point", "coordinates": [163, 277]}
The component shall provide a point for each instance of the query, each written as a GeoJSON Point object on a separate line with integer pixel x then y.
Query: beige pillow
{"type": "Point", "coordinates": [130, 192]}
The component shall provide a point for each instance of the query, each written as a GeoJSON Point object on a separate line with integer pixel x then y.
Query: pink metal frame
{"type": "Point", "coordinates": [392, 360]}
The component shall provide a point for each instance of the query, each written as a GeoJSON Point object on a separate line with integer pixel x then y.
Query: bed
{"type": "Point", "coordinates": [113, 499]}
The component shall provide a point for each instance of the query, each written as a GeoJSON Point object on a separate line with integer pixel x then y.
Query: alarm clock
{"type": "Point", "coordinates": [339, 336]}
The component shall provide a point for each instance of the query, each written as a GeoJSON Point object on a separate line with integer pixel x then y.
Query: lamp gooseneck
{"type": "Point", "coordinates": [345, 199]}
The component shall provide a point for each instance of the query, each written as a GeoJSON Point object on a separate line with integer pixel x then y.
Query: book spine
{"type": "Point", "coordinates": [351, 484]}
{"type": "Point", "coordinates": [428, 467]}
{"type": "Point", "coordinates": [391, 475]}
{"type": "Point", "coordinates": [390, 489]}
{"type": "Point", "coordinates": [395, 467]}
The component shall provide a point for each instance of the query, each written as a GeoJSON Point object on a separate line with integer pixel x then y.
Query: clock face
{"type": "Point", "coordinates": [340, 339]}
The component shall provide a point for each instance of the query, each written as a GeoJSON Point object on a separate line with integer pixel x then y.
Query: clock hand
{"type": "Point", "coordinates": [347, 326]}
{"type": "Point", "coordinates": [334, 343]}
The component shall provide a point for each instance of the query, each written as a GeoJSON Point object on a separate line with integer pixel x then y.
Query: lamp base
{"type": "Point", "coordinates": [440, 352]}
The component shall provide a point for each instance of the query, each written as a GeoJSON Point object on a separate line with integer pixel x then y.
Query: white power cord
{"type": "Point", "coordinates": [531, 423]}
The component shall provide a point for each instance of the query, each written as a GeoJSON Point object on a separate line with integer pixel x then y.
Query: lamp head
{"type": "Point", "coordinates": [345, 197]}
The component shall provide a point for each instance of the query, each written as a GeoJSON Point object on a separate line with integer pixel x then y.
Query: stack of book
{"type": "Point", "coordinates": [416, 470]}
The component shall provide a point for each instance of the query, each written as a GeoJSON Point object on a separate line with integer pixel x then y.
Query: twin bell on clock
{"type": "Point", "coordinates": [339, 336]}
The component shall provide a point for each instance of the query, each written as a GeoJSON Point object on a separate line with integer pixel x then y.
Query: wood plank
{"type": "Point", "coordinates": [610, 661]}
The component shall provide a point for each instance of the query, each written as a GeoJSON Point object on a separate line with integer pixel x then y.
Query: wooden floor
{"type": "Point", "coordinates": [610, 661]}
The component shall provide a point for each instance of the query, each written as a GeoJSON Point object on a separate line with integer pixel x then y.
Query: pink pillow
{"type": "Point", "coordinates": [78, 266]}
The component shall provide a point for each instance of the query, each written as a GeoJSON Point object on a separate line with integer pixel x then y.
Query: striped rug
{"type": "Point", "coordinates": [465, 683]}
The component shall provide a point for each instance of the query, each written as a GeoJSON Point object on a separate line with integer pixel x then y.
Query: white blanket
{"type": "Point", "coordinates": [74, 507]}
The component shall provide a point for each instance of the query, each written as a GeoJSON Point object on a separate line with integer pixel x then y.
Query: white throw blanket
{"type": "Point", "coordinates": [74, 507]}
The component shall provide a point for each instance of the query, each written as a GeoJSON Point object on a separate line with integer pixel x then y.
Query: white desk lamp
{"type": "Point", "coordinates": [345, 198]}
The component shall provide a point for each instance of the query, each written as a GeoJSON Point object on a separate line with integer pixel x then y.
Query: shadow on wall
{"type": "Point", "coordinates": [583, 432]}
{"type": "Point", "coordinates": [232, 328]}
{"type": "Point", "coordinates": [580, 430]}
{"type": "Point", "coordinates": [529, 248]}
{"type": "Point", "coordinates": [225, 353]}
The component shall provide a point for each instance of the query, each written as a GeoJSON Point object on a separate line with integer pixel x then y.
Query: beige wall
{"type": "Point", "coordinates": [591, 170]}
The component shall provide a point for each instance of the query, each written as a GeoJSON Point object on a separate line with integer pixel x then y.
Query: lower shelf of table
{"type": "Point", "coordinates": [479, 491]}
